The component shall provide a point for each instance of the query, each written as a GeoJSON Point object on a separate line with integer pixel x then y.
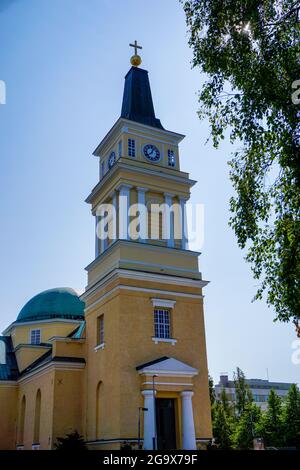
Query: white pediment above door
{"type": "Point", "coordinates": [167, 366]}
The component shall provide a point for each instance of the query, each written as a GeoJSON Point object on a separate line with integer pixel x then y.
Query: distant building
{"type": "Point", "coordinates": [260, 389]}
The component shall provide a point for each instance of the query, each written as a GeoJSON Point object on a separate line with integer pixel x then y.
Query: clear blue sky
{"type": "Point", "coordinates": [64, 63]}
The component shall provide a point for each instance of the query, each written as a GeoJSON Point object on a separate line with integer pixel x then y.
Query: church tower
{"type": "Point", "coordinates": [146, 372]}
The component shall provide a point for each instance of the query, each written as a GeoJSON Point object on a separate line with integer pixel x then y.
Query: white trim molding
{"type": "Point", "coordinates": [177, 384]}
{"type": "Point", "coordinates": [156, 340]}
{"type": "Point", "coordinates": [163, 302]}
{"type": "Point", "coordinates": [99, 346]}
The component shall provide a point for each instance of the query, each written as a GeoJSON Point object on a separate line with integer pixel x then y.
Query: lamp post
{"type": "Point", "coordinates": [154, 411]}
{"type": "Point", "coordinates": [141, 408]}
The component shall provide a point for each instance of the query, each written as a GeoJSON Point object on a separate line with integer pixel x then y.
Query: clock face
{"type": "Point", "coordinates": [112, 159]}
{"type": "Point", "coordinates": [151, 153]}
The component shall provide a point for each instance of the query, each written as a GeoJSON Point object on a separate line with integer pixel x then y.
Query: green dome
{"type": "Point", "coordinates": [61, 302]}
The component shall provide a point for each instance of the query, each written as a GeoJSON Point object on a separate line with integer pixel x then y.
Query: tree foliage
{"type": "Point", "coordinates": [72, 441]}
{"type": "Point", "coordinates": [212, 393]}
{"type": "Point", "coordinates": [271, 425]}
{"type": "Point", "coordinates": [243, 394]}
{"type": "Point", "coordinates": [222, 426]}
{"type": "Point", "coordinates": [236, 423]}
{"type": "Point", "coordinates": [246, 427]}
{"type": "Point", "coordinates": [291, 417]}
{"type": "Point", "coordinates": [249, 50]}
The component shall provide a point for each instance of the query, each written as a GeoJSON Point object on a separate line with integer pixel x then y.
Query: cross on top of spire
{"type": "Point", "coordinates": [136, 47]}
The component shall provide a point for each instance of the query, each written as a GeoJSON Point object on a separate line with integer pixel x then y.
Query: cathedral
{"type": "Point", "coordinates": [125, 362]}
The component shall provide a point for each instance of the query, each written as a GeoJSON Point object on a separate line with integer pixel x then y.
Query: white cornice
{"type": "Point", "coordinates": [159, 175]}
{"type": "Point", "coordinates": [150, 277]}
{"type": "Point", "coordinates": [8, 383]}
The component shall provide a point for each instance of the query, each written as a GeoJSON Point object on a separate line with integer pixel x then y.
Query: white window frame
{"type": "Point", "coordinates": [101, 329]}
{"type": "Point", "coordinates": [100, 332]}
{"type": "Point", "coordinates": [162, 323]}
{"type": "Point", "coordinates": [34, 332]}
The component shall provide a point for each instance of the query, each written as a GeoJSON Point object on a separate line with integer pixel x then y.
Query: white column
{"type": "Point", "coordinates": [143, 214]}
{"type": "Point", "coordinates": [169, 220]}
{"type": "Point", "coordinates": [188, 427]}
{"type": "Point", "coordinates": [184, 232]}
{"type": "Point", "coordinates": [114, 220]}
{"type": "Point", "coordinates": [97, 241]}
{"type": "Point", "coordinates": [149, 419]}
{"type": "Point", "coordinates": [103, 236]}
{"type": "Point", "coordinates": [124, 201]}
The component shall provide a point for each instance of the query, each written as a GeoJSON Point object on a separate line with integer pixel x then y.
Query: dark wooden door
{"type": "Point", "coordinates": [166, 423]}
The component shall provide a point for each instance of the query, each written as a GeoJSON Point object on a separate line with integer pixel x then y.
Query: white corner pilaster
{"type": "Point", "coordinates": [188, 426]}
{"type": "Point", "coordinates": [114, 216]}
{"type": "Point", "coordinates": [149, 419]}
{"type": "Point", "coordinates": [97, 241]}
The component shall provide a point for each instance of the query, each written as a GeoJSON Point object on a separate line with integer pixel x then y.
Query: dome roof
{"type": "Point", "coordinates": [61, 302]}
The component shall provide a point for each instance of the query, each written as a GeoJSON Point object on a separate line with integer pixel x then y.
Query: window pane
{"type": "Point", "coordinates": [171, 158]}
{"type": "Point", "coordinates": [35, 336]}
{"type": "Point", "coordinates": [131, 147]}
{"type": "Point", "coordinates": [101, 329]}
{"type": "Point", "coordinates": [162, 323]}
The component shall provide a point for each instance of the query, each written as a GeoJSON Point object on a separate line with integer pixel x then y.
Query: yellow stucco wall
{"type": "Point", "coordinates": [21, 333]}
{"type": "Point", "coordinates": [28, 387]}
{"type": "Point", "coordinates": [8, 415]}
{"type": "Point", "coordinates": [68, 402]}
{"type": "Point", "coordinates": [128, 343]}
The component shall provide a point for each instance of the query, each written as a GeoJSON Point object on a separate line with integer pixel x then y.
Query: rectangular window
{"type": "Point", "coordinates": [35, 337]}
{"type": "Point", "coordinates": [131, 147]}
{"type": "Point", "coordinates": [161, 323]}
{"type": "Point", "coordinates": [120, 149]}
{"type": "Point", "coordinates": [171, 158]}
{"type": "Point", "coordinates": [100, 330]}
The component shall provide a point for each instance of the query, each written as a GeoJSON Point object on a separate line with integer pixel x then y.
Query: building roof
{"type": "Point", "coordinates": [8, 364]}
{"type": "Point", "coordinates": [61, 302]}
{"type": "Point", "coordinates": [263, 384]}
{"type": "Point", "coordinates": [137, 99]}
{"type": "Point", "coordinates": [78, 332]}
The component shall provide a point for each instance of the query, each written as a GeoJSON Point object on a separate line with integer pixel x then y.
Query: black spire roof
{"type": "Point", "coordinates": [137, 99]}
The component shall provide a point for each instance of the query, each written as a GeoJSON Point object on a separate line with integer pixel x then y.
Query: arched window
{"type": "Point", "coordinates": [37, 418]}
{"type": "Point", "coordinates": [2, 352]}
{"type": "Point", "coordinates": [22, 421]}
{"type": "Point", "coordinates": [99, 411]}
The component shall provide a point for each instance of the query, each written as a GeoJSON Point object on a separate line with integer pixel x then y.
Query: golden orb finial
{"type": "Point", "coordinates": [135, 59]}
